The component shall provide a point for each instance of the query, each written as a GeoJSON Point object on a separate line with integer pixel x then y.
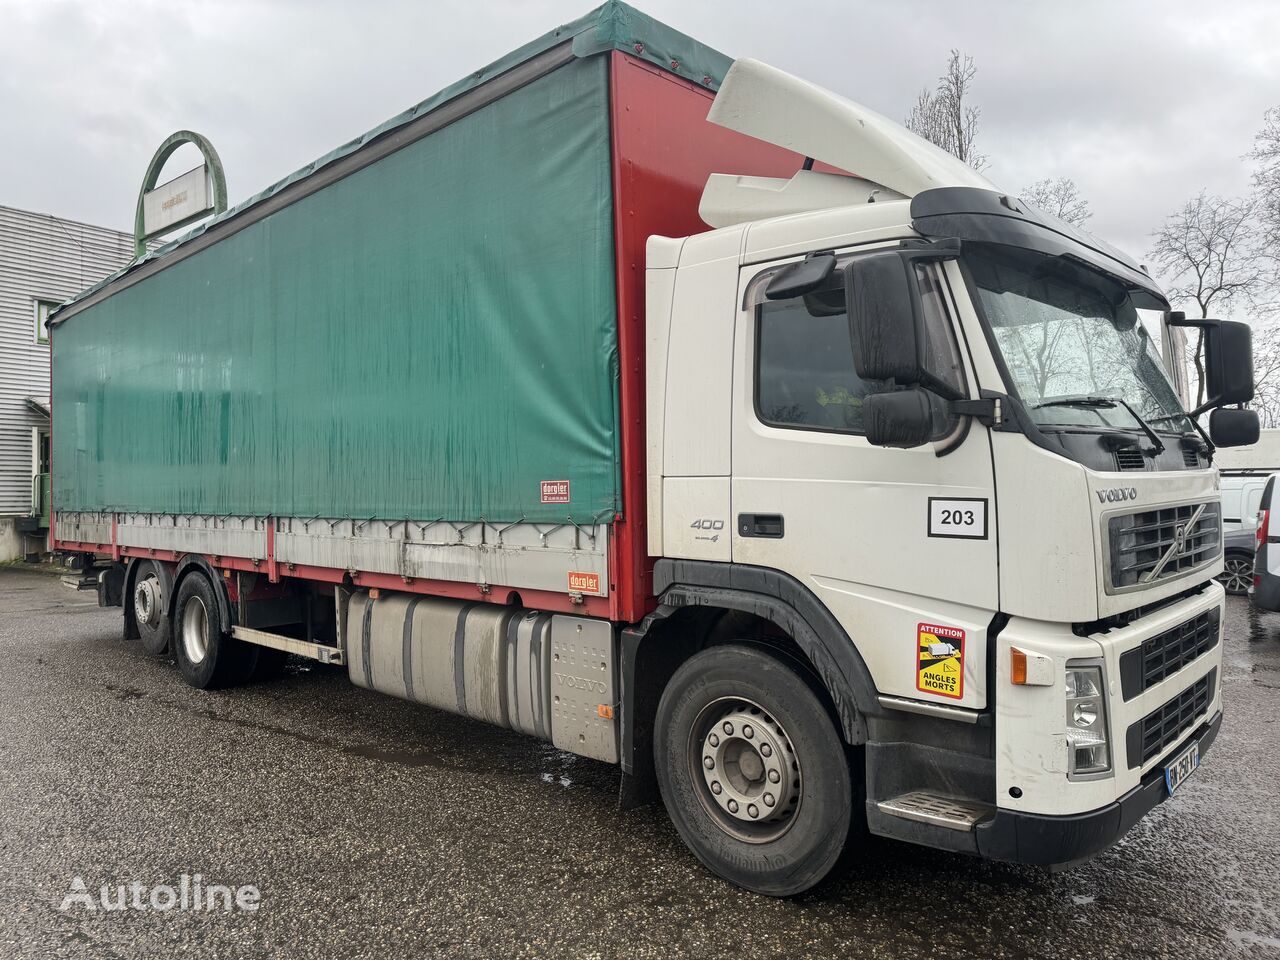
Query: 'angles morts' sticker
{"type": "Point", "coordinates": [941, 660]}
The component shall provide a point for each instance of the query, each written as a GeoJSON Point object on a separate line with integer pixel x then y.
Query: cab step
{"type": "Point", "coordinates": [933, 808]}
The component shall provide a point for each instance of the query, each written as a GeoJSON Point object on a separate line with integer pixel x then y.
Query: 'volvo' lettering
{"type": "Point", "coordinates": [1117, 494]}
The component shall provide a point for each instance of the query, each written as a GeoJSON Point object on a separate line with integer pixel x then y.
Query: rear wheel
{"type": "Point", "coordinates": [1237, 573]}
{"type": "Point", "coordinates": [150, 608]}
{"type": "Point", "coordinates": [752, 770]}
{"type": "Point", "coordinates": [208, 656]}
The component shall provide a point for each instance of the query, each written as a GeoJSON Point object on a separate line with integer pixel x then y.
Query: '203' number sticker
{"type": "Point", "coordinates": [962, 518]}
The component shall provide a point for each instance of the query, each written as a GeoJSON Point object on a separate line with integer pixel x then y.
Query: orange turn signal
{"type": "Point", "coordinates": [604, 711]}
{"type": "Point", "coordinates": [1017, 665]}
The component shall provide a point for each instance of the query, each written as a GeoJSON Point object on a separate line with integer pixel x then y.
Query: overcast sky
{"type": "Point", "coordinates": [1143, 104]}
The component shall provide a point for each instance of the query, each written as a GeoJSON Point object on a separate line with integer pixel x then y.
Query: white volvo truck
{"type": "Point", "coordinates": [931, 540]}
{"type": "Point", "coordinates": [997, 520]}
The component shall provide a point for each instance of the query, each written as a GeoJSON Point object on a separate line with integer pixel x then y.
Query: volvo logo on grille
{"type": "Point", "coordinates": [1179, 546]}
{"type": "Point", "coordinates": [1117, 494]}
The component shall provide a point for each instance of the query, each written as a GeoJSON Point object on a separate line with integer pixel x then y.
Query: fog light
{"type": "Point", "coordinates": [1089, 751]}
{"type": "Point", "coordinates": [1088, 755]}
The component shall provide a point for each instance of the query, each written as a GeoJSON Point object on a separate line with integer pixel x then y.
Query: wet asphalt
{"type": "Point", "coordinates": [375, 828]}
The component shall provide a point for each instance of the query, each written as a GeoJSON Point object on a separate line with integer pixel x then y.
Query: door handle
{"type": "Point", "coordinates": [767, 525]}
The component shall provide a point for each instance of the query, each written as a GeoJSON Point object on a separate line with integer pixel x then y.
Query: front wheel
{"type": "Point", "coordinates": [1237, 574]}
{"type": "Point", "coordinates": [752, 770]}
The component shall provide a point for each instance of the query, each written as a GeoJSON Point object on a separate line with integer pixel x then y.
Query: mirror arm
{"type": "Point", "coordinates": [987, 412]}
{"type": "Point", "coordinates": [1176, 318]}
{"type": "Point", "coordinates": [947, 248]}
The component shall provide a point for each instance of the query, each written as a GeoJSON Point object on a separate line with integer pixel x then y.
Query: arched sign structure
{"type": "Point", "coordinates": [183, 200]}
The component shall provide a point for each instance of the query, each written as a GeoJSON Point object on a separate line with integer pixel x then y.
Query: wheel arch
{"type": "Point", "coordinates": [696, 598]}
{"type": "Point", "coordinates": [189, 564]}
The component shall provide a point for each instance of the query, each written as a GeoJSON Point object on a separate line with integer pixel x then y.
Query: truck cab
{"type": "Point", "coordinates": [931, 423]}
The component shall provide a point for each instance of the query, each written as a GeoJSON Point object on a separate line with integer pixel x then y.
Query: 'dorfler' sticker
{"type": "Point", "coordinates": [941, 660]}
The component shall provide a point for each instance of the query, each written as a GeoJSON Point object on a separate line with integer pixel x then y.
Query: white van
{"type": "Point", "coordinates": [1241, 498]}
{"type": "Point", "coordinates": [1241, 501]}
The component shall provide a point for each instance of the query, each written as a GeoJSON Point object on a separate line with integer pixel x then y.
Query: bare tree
{"type": "Point", "coordinates": [1266, 376]}
{"type": "Point", "coordinates": [1266, 176]}
{"type": "Point", "coordinates": [943, 115]}
{"type": "Point", "coordinates": [1208, 254]}
{"type": "Point", "coordinates": [1059, 198]}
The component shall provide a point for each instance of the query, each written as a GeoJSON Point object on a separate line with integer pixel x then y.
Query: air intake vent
{"type": "Point", "coordinates": [1130, 458]}
{"type": "Point", "coordinates": [1161, 728]}
{"type": "Point", "coordinates": [1190, 457]}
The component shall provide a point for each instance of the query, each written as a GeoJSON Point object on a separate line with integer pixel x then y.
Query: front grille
{"type": "Point", "coordinates": [1140, 541]}
{"type": "Point", "coordinates": [1161, 728]}
{"type": "Point", "coordinates": [1190, 457]}
{"type": "Point", "coordinates": [1166, 653]}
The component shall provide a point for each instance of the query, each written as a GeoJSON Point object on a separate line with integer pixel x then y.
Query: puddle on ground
{"type": "Point", "coordinates": [1246, 938]}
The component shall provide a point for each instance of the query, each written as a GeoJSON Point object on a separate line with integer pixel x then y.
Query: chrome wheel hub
{"type": "Point", "coordinates": [195, 630]}
{"type": "Point", "coordinates": [146, 601]}
{"type": "Point", "coordinates": [749, 766]}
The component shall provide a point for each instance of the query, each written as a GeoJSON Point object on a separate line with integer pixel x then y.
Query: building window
{"type": "Point", "coordinates": [42, 309]}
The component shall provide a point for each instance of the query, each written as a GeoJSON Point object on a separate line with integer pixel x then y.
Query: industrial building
{"type": "Point", "coordinates": [43, 261]}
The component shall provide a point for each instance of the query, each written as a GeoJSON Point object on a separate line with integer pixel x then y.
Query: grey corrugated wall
{"type": "Point", "coordinates": [41, 258]}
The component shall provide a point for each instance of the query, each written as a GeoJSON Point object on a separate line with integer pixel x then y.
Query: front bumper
{"type": "Point", "coordinates": [1043, 840]}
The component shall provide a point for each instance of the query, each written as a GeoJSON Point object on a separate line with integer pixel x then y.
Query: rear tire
{"type": "Point", "coordinates": [752, 770]}
{"type": "Point", "coordinates": [150, 609]}
{"type": "Point", "coordinates": [1237, 573]}
{"type": "Point", "coordinates": [208, 656]}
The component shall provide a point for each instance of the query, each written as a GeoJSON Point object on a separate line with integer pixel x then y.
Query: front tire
{"type": "Point", "coordinates": [208, 656]}
{"type": "Point", "coordinates": [752, 770]}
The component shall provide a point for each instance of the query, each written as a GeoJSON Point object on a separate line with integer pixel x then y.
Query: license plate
{"type": "Point", "coordinates": [1182, 767]}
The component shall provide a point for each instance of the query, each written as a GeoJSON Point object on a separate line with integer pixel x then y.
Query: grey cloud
{"type": "Point", "coordinates": [1141, 103]}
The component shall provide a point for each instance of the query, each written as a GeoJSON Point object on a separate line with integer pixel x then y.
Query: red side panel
{"type": "Point", "coordinates": [663, 152]}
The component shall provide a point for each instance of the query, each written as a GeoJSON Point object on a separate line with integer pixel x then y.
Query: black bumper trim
{"type": "Point", "coordinates": [1035, 838]}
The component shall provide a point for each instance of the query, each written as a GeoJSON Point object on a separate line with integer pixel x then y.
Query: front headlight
{"type": "Point", "coordinates": [1086, 702]}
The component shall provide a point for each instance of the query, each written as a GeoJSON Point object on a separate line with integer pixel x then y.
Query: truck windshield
{"type": "Point", "coordinates": [1072, 342]}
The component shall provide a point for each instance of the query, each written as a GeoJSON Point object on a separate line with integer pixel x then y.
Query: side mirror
{"type": "Point", "coordinates": [883, 303]}
{"type": "Point", "coordinates": [904, 418]}
{"type": "Point", "coordinates": [1228, 369]}
{"type": "Point", "coordinates": [1233, 428]}
{"type": "Point", "coordinates": [887, 318]}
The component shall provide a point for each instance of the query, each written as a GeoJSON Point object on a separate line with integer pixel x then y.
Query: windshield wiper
{"type": "Point", "coordinates": [1076, 400]}
{"type": "Point", "coordinates": [1084, 400]}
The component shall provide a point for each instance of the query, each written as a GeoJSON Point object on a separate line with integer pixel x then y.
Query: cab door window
{"type": "Point", "coordinates": [805, 377]}
{"type": "Point", "coordinates": [804, 365]}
